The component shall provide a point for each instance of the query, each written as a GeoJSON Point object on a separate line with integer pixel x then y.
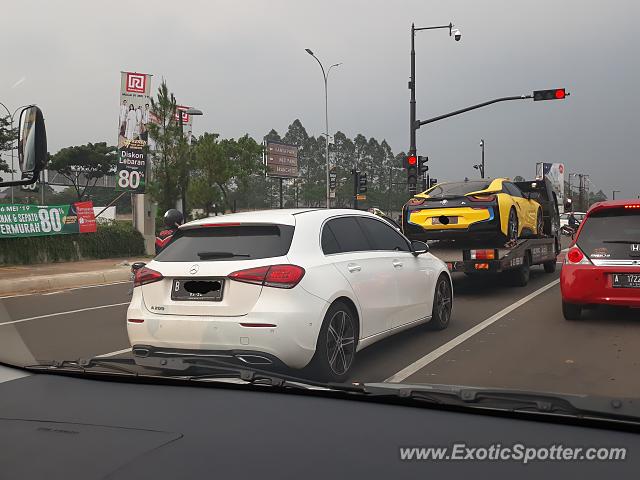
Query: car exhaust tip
{"type": "Point", "coordinates": [141, 351]}
{"type": "Point", "coordinates": [254, 359]}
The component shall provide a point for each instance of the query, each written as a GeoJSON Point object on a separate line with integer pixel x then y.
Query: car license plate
{"type": "Point", "coordinates": [626, 280]}
{"type": "Point", "coordinates": [202, 289]}
{"type": "Point", "coordinates": [436, 221]}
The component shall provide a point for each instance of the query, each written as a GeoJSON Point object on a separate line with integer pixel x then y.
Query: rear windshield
{"type": "Point", "coordinates": [613, 233]}
{"type": "Point", "coordinates": [458, 188]}
{"type": "Point", "coordinates": [244, 242]}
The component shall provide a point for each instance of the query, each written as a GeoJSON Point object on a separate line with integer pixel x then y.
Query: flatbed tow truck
{"type": "Point", "coordinates": [516, 258]}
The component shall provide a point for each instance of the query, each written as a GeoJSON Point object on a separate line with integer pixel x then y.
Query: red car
{"type": "Point", "coordinates": [602, 266]}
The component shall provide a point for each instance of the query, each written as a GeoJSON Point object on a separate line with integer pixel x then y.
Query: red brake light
{"type": "Point", "coordinates": [632, 206]}
{"type": "Point", "coordinates": [416, 201]}
{"type": "Point", "coordinates": [145, 275]}
{"type": "Point", "coordinates": [279, 276]}
{"type": "Point", "coordinates": [482, 198]}
{"type": "Point", "coordinates": [250, 275]}
{"type": "Point", "coordinates": [488, 254]}
{"type": "Point", "coordinates": [219, 225]}
{"type": "Point", "coordinates": [575, 255]}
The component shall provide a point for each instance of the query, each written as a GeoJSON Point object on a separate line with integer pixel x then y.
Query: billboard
{"type": "Point", "coordinates": [38, 220]}
{"type": "Point", "coordinates": [281, 159]}
{"type": "Point", "coordinates": [133, 135]}
{"type": "Point", "coordinates": [554, 173]}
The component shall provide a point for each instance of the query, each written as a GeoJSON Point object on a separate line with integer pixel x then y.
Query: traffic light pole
{"type": "Point", "coordinates": [356, 184]}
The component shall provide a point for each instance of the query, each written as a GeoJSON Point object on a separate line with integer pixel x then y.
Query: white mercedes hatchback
{"type": "Point", "coordinates": [304, 287]}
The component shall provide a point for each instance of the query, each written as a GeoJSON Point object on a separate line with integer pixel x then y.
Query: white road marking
{"type": "Point", "coordinates": [64, 313]}
{"type": "Point", "coordinates": [113, 354]}
{"type": "Point", "coordinates": [64, 290]}
{"type": "Point", "coordinates": [440, 351]}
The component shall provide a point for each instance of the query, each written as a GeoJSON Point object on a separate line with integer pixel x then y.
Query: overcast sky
{"type": "Point", "coordinates": [243, 63]}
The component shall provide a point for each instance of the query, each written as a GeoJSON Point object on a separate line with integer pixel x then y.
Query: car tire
{"type": "Point", "coordinates": [550, 266]}
{"type": "Point", "coordinates": [331, 363]}
{"type": "Point", "coordinates": [520, 276]}
{"type": "Point", "coordinates": [512, 226]}
{"type": "Point", "coordinates": [571, 311]}
{"type": "Point", "coordinates": [442, 304]}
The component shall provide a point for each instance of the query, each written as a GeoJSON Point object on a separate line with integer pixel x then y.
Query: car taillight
{"type": "Point", "coordinates": [482, 198]}
{"type": "Point", "coordinates": [146, 275]}
{"type": "Point", "coordinates": [576, 257]}
{"type": "Point", "coordinates": [278, 276]}
{"type": "Point", "coordinates": [632, 206]}
{"type": "Point", "coordinates": [483, 254]}
{"type": "Point", "coordinates": [415, 201]}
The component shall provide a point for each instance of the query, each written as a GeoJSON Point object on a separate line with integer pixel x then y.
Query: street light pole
{"type": "Point", "coordinates": [613, 197]}
{"type": "Point", "coordinates": [194, 112]}
{"type": "Point", "coordinates": [413, 126]}
{"type": "Point", "coordinates": [482, 163]}
{"type": "Point", "coordinates": [325, 76]}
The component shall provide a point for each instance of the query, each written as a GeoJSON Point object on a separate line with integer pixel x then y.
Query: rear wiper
{"type": "Point", "coordinates": [622, 241]}
{"type": "Point", "coordinates": [205, 255]}
{"type": "Point", "coordinates": [583, 406]}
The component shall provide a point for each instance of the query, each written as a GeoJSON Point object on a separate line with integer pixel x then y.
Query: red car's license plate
{"type": "Point", "coordinates": [626, 280]}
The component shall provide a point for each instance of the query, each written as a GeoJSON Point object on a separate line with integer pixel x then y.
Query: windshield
{"type": "Point", "coordinates": [611, 234]}
{"type": "Point", "coordinates": [275, 186]}
{"type": "Point", "coordinates": [458, 188]}
{"type": "Point", "coordinates": [251, 241]}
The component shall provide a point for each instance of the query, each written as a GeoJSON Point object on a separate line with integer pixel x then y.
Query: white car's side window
{"type": "Point", "coordinates": [343, 235]}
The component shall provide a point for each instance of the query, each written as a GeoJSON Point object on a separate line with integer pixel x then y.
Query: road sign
{"type": "Point", "coordinates": [281, 159]}
{"type": "Point", "coordinates": [361, 196]}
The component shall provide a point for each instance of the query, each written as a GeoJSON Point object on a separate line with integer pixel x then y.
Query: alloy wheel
{"type": "Point", "coordinates": [443, 301]}
{"type": "Point", "coordinates": [341, 345]}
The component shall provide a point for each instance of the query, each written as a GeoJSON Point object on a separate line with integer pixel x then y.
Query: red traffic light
{"type": "Point", "coordinates": [555, 94]}
{"type": "Point", "coordinates": [412, 160]}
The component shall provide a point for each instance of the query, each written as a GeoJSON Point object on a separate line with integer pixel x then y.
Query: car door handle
{"type": "Point", "coordinates": [352, 267]}
{"type": "Point", "coordinates": [397, 264]}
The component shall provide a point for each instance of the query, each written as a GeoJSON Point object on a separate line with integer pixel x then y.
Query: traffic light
{"type": "Point", "coordinates": [412, 170]}
{"type": "Point", "coordinates": [433, 181]}
{"type": "Point", "coordinates": [555, 94]}
{"type": "Point", "coordinates": [362, 182]}
{"type": "Point", "coordinates": [422, 165]}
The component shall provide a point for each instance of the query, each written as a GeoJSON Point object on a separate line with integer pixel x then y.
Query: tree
{"type": "Point", "coordinates": [168, 174]}
{"type": "Point", "coordinates": [518, 178]}
{"type": "Point", "coordinates": [84, 165]}
{"type": "Point", "coordinates": [221, 167]}
{"type": "Point", "coordinates": [7, 137]}
{"type": "Point", "coordinates": [598, 196]}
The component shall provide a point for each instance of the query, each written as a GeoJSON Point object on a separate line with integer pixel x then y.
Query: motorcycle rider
{"type": "Point", "coordinates": [172, 219]}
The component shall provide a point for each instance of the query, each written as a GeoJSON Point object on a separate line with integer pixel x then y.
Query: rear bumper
{"type": "Point", "coordinates": [589, 284]}
{"type": "Point", "coordinates": [483, 225]}
{"type": "Point", "coordinates": [283, 325]}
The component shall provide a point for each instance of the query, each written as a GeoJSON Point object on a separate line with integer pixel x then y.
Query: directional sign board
{"type": "Point", "coordinates": [281, 159]}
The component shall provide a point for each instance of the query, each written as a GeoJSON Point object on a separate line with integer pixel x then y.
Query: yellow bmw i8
{"type": "Point", "coordinates": [472, 210]}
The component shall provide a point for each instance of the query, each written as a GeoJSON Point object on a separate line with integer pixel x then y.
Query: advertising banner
{"type": "Point", "coordinates": [281, 159]}
{"type": "Point", "coordinates": [554, 173]}
{"type": "Point", "coordinates": [37, 220]}
{"type": "Point", "coordinates": [133, 134]}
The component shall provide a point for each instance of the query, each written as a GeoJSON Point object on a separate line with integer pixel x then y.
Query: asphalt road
{"type": "Point", "coordinates": [500, 336]}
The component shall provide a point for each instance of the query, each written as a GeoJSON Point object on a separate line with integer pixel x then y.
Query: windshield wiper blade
{"type": "Point", "coordinates": [85, 364]}
{"type": "Point", "coordinates": [631, 242]}
{"type": "Point", "coordinates": [582, 406]}
{"type": "Point", "coordinates": [205, 255]}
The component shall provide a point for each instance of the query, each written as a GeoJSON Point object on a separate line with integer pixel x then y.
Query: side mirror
{"type": "Point", "coordinates": [32, 141]}
{"type": "Point", "coordinates": [418, 247]}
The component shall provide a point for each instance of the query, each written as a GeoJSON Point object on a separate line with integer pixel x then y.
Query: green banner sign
{"type": "Point", "coordinates": [38, 220]}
